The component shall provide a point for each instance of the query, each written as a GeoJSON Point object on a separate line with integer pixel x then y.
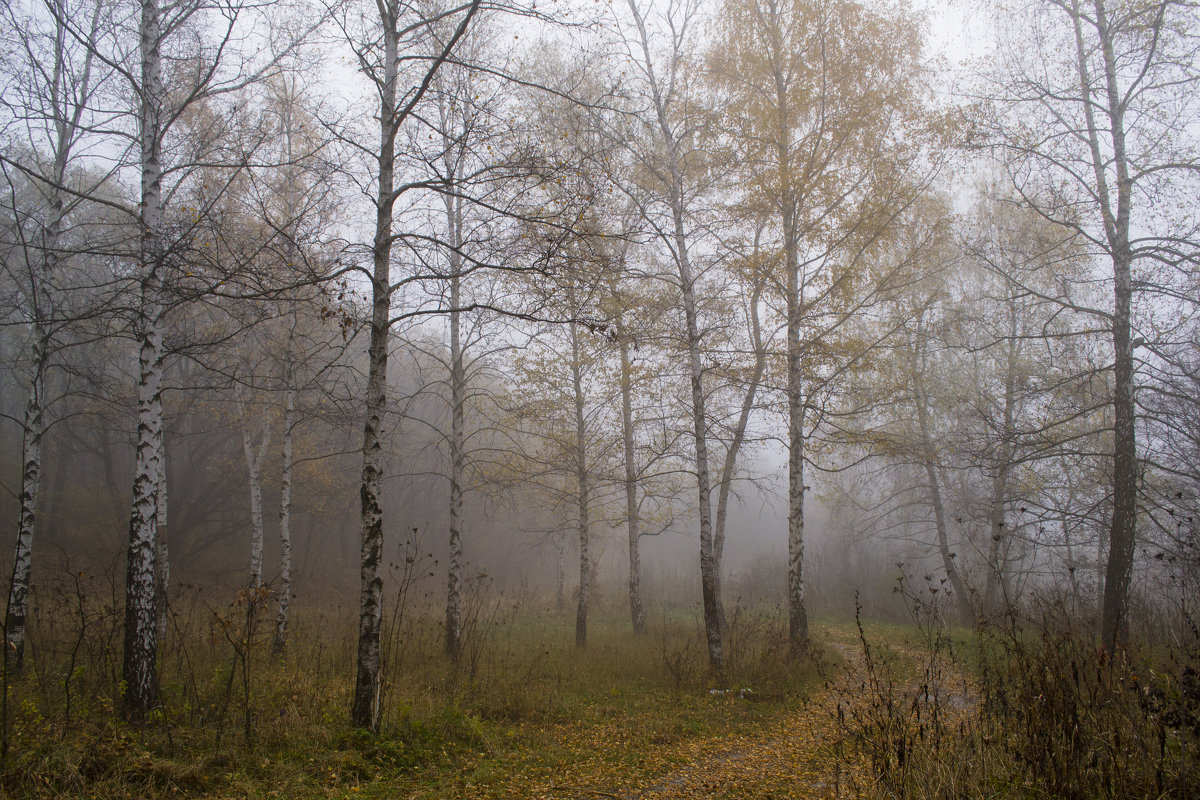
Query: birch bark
{"type": "Point", "coordinates": [366, 708]}
{"type": "Point", "coordinates": [458, 388]}
{"type": "Point", "coordinates": [797, 613]}
{"type": "Point", "coordinates": [995, 599]}
{"type": "Point", "coordinates": [31, 473]}
{"type": "Point", "coordinates": [66, 93]}
{"type": "Point", "coordinates": [560, 576]}
{"type": "Point", "coordinates": [583, 499]}
{"type": "Point", "coordinates": [729, 466]}
{"type": "Point", "coordinates": [677, 239]}
{"type": "Point", "coordinates": [632, 515]}
{"type": "Point", "coordinates": [1119, 571]}
{"type": "Point", "coordinates": [140, 650]}
{"type": "Point", "coordinates": [284, 595]}
{"type": "Point", "coordinates": [254, 458]}
{"type": "Point", "coordinates": [162, 565]}
{"type": "Point", "coordinates": [582, 479]}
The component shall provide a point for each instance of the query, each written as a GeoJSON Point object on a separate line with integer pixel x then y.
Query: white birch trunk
{"type": "Point", "coordinates": [141, 619]}
{"type": "Point", "coordinates": [995, 598]}
{"type": "Point", "coordinates": [1119, 570]}
{"type": "Point", "coordinates": [33, 429]}
{"type": "Point", "coordinates": [729, 466]}
{"type": "Point", "coordinates": [68, 96]}
{"type": "Point", "coordinates": [797, 612]}
{"type": "Point", "coordinates": [141, 647]}
{"type": "Point", "coordinates": [458, 389]}
{"type": "Point", "coordinates": [560, 577]}
{"type": "Point", "coordinates": [162, 564]}
{"type": "Point", "coordinates": [710, 587]}
{"type": "Point", "coordinates": [677, 239]}
{"type": "Point", "coordinates": [962, 599]}
{"type": "Point", "coordinates": [637, 611]}
{"type": "Point", "coordinates": [31, 474]}
{"type": "Point", "coordinates": [582, 484]}
{"type": "Point", "coordinates": [366, 708]}
{"type": "Point", "coordinates": [254, 458]}
{"type": "Point", "coordinates": [284, 595]}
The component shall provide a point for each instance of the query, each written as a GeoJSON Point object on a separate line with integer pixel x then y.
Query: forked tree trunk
{"type": "Point", "coordinates": [962, 598]}
{"type": "Point", "coordinates": [729, 467]}
{"type": "Point", "coordinates": [254, 458]}
{"type": "Point", "coordinates": [1118, 574]}
{"type": "Point", "coordinates": [996, 598]}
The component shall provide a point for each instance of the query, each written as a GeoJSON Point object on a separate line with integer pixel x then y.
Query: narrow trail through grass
{"type": "Point", "coordinates": [894, 710]}
{"type": "Point", "coordinates": [630, 718]}
{"type": "Point", "coordinates": [789, 750]}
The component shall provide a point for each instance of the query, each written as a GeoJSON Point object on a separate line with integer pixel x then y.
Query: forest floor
{"type": "Point", "coordinates": [873, 710]}
{"type": "Point", "coordinates": [632, 718]}
{"type": "Point", "coordinates": [732, 744]}
{"type": "Point", "coordinates": [793, 756]}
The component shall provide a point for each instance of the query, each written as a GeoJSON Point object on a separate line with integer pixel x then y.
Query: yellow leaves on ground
{"type": "Point", "coordinates": [792, 756]}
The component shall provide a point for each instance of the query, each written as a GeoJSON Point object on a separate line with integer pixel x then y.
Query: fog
{"type": "Point", "coordinates": [426, 375]}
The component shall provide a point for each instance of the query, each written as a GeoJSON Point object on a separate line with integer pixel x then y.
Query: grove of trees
{"type": "Point", "coordinates": [520, 281]}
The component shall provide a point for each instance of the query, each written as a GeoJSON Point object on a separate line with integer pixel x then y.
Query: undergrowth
{"type": "Point", "coordinates": [237, 719]}
{"type": "Point", "coordinates": [1025, 706]}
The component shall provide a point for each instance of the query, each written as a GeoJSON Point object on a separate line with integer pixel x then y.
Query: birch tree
{"type": "Point", "coordinates": [624, 332]}
{"type": "Point", "coordinates": [51, 83]}
{"type": "Point", "coordinates": [751, 272]}
{"type": "Point", "coordinates": [254, 453]}
{"type": "Point", "coordinates": [1095, 120]}
{"type": "Point", "coordinates": [475, 159]}
{"type": "Point", "coordinates": [822, 98]}
{"type": "Point", "coordinates": [571, 425]}
{"type": "Point", "coordinates": [672, 174]}
{"type": "Point", "coordinates": [294, 201]}
{"type": "Point", "coordinates": [385, 45]}
{"type": "Point", "coordinates": [206, 38]}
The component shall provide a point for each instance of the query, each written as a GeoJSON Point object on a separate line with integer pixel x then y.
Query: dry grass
{"type": "Point", "coordinates": [522, 705]}
{"type": "Point", "coordinates": [1026, 707]}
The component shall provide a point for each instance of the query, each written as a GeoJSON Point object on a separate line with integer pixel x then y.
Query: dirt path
{"type": "Point", "coordinates": [793, 757]}
{"type": "Point", "coordinates": [797, 756]}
